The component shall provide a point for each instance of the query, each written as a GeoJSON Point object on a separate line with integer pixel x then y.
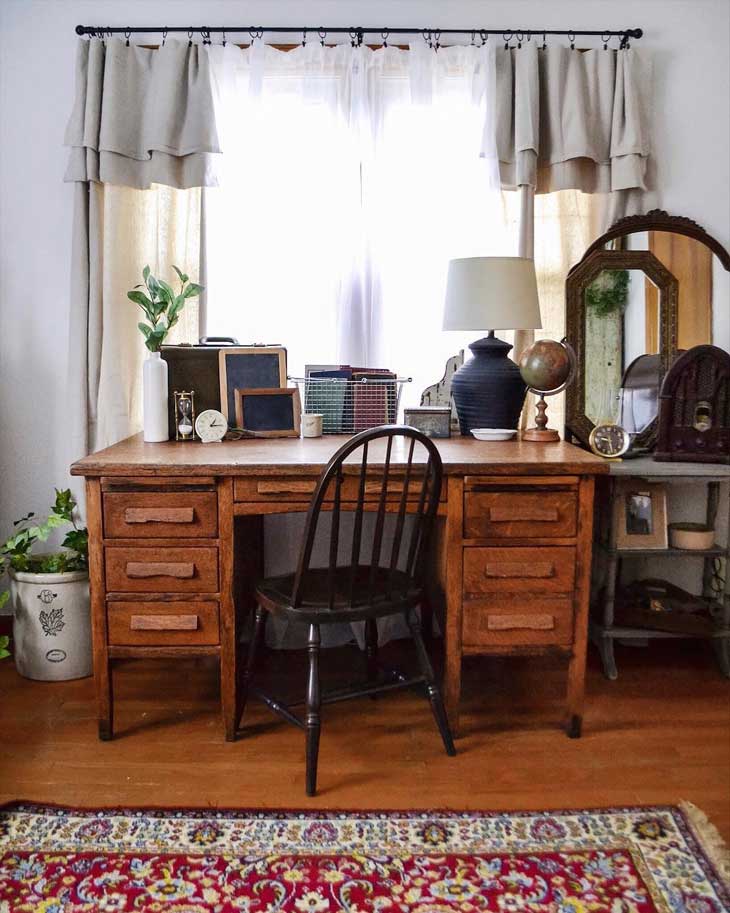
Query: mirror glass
{"type": "Point", "coordinates": [622, 309]}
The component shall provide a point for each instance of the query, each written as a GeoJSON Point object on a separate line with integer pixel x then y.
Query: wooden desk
{"type": "Point", "coordinates": [511, 570]}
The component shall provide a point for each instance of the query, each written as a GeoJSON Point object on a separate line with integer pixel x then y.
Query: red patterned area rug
{"type": "Point", "coordinates": [619, 860]}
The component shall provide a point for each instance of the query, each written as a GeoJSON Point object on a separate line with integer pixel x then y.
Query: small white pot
{"type": "Point", "coordinates": [51, 625]}
{"type": "Point", "coordinates": [154, 405]}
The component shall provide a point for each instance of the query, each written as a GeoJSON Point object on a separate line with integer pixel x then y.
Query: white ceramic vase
{"type": "Point", "coordinates": [154, 388]}
{"type": "Point", "coordinates": [51, 625]}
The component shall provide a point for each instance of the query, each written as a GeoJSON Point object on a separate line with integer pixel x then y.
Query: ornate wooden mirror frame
{"type": "Point", "coordinates": [590, 267]}
{"type": "Point", "coordinates": [576, 421]}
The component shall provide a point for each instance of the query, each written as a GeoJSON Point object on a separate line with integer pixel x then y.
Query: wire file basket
{"type": "Point", "coordinates": [351, 405]}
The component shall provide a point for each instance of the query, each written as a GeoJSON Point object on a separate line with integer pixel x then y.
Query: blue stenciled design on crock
{"type": "Point", "coordinates": [56, 656]}
{"type": "Point", "coordinates": [47, 596]}
{"type": "Point", "coordinates": [52, 622]}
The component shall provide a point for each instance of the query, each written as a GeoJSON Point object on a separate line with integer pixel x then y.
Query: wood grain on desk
{"type": "Point", "coordinates": [290, 456]}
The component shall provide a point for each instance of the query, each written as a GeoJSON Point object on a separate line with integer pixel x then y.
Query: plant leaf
{"type": "Point", "coordinates": [146, 273]}
{"type": "Point", "coordinates": [192, 290]}
{"type": "Point", "coordinates": [183, 277]}
{"type": "Point", "coordinates": [145, 330]}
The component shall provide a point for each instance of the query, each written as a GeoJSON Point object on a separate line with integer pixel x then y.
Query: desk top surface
{"type": "Point", "coordinates": [295, 456]}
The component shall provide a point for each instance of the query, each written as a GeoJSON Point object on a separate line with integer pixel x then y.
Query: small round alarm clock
{"type": "Point", "coordinates": [609, 440]}
{"type": "Point", "coordinates": [211, 426]}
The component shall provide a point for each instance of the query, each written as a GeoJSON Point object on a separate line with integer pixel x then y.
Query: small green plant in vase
{"type": "Point", "coordinates": [162, 308]}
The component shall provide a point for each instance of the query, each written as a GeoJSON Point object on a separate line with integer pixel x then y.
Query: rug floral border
{"type": "Point", "coordinates": [660, 839]}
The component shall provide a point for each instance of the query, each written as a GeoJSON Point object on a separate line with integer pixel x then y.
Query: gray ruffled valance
{"type": "Point", "coordinates": [142, 116]}
{"type": "Point", "coordinates": [569, 119]}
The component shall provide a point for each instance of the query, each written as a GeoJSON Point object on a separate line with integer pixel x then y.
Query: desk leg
{"type": "Point", "coordinates": [453, 555]}
{"type": "Point", "coordinates": [577, 666]}
{"type": "Point", "coordinates": [228, 615]}
{"type": "Point", "coordinates": [97, 587]}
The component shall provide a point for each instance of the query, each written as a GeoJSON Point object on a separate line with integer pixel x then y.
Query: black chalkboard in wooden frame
{"type": "Point", "coordinates": [246, 368]}
{"type": "Point", "coordinates": [272, 412]}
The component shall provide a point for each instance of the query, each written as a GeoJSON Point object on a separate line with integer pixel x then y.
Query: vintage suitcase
{"type": "Point", "coordinates": [196, 367]}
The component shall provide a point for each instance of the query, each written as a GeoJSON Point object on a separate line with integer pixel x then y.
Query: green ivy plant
{"type": "Point", "coordinates": [609, 292]}
{"type": "Point", "coordinates": [161, 305]}
{"type": "Point", "coordinates": [15, 552]}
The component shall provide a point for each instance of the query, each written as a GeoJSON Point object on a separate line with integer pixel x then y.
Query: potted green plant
{"type": "Point", "coordinates": [50, 595]}
{"type": "Point", "coordinates": [162, 309]}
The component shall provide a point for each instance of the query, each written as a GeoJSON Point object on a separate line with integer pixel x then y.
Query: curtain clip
{"type": "Point", "coordinates": [544, 41]}
{"type": "Point", "coordinates": [304, 38]}
{"type": "Point", "coordinates": [164, 35]}
{"type": "Point", "coordinates": [507, 36]}
{"type": "Point", "coordinates": [384, 34]}
{"type": "Point", "coordinates": [127, 33]}
{"type": "Point", "coordinates": [190, 38]}
{"type": "Point", "coordinates": [571, 38]}
{"type": "Point", "coordinates": [322, 35]}
{"type": "Point", "coordinates": [484, 35]}
{"type": "Point", "coordinates": [224, 37]}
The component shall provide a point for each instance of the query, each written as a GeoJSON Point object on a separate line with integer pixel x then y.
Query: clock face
{"type": "Point", "coordinates": [211, 426]}
{"type": "Point", "coordinates": [609, 440]}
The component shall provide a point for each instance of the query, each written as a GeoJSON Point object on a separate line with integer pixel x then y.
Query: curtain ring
{"type": "Point", "coordinates": [437, 36]}
{"type": "Point", "coordinates": [473, 36]}
{"type": "Point", "coordinates": [571, 38]}
{"type": "Point", "coordinates": [544, 41]}
{"type": "Point", "coordinates": [224, 37]}
{"type": "Point", "coordinates": [605, 38]}
{"type": "Point", "coordinates": [164, 35]}
{"type": "Point", "coordinates": [190, 38]}
{"type": "Point", "coordinates": [127, 33]}
{"type": "Point", "coordinates": [520, 37]}
{"type": "Point", "coordinates": [322, 35]}
{"type": "Point", "coordinates": [205, 34]}
{"type": "Point", "coordinates": [507, 36]}
{"type": "Point", "coordinates": [384, 34]}
{"type": "Point", "coordinates": [426, 34]}
{"type": "Point", "coordinates": [353, 37]}
{"type": "Point", "coordinates": [304, 38]}
{"type": "Point", "coordinates": [484, 35]}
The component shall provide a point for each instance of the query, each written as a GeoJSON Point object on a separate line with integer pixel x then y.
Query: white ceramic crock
{"type": "Point", "coordinates": [154, 397]}
{"type": "Point", "coordinates": [51, 625]}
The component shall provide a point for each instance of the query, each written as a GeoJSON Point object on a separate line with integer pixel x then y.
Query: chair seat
{"type": "Point", "coordinates": [390, 593]}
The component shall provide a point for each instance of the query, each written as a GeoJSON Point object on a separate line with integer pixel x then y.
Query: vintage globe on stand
{"type": "Point", "coordinates": [547, 367]}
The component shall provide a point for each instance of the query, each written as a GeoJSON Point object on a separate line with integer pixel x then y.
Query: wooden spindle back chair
{"type": "Point", "coordinates": [379, 578]}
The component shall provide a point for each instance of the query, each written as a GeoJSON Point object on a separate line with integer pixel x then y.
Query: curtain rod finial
{"type": "Point", "coordinates": [80, 30]}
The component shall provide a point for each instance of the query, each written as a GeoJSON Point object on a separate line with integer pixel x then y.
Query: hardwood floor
{"type": "Point", "coordinates": [660, 734]}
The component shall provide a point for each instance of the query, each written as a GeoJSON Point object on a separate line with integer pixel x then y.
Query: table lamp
{"type": "Point", "coordinates": [490, 293]}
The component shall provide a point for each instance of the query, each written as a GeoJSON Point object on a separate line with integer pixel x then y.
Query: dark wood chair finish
{"type": "Point", "coordinates": [358, 591]}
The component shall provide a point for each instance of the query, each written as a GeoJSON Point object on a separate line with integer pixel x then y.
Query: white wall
{"type": "Point", "coordinates": [688, 39]}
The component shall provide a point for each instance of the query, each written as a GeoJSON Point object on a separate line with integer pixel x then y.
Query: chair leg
{"type": "Point", "coordinates": [434, 694]}
{"type": "Point", "coordinates": [256, 638]}
{"type": "Point", "coordinates": [371, 652]}
{"type": "Point", "coordinates": [312, 719]}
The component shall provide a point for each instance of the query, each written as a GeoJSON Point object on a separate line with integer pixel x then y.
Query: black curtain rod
{"type": "Point", "coordinates": [355, 32]}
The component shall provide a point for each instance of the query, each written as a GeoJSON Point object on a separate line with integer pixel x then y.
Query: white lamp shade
{"type": "Point", "coordinates": [492, 293]}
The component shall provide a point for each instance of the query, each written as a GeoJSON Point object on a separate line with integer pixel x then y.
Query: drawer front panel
{"type": "Point", "coordinates": [519, 514]}
{"type": "Point", "coordinates": [518, 570]}
{"type": "Point", "coordinates": [519, 621]}
{"type": "Point", "coordinates": [161, 570]}
{"type": "Point", "coordinates": [302, 489]}
{"type": "Point", "coordinates": [162, 515]}
{"type": "Point", "coordinates": [163, 623]}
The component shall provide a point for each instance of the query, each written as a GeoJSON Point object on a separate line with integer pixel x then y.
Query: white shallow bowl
{"type": "Point", "coordinates": [494, 434]}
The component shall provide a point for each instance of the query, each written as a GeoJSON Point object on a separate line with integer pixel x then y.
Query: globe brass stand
{"type": "Point", "coordinates": [532, 360]}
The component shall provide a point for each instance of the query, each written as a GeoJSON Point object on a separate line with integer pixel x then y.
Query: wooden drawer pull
{"type": "Point", "coordinates": [523, 514]}
{"type": "Point", "coordinates": [159, 515]}
{"type": "Point", "coordinates": [506, 569]}
{"type": "Point", "coordinates": [526, 622]}
{"type": "Point", "coordinates": [182, 569]}
{"type": "Point", "coordinates": [163, 623]}
{"type": "Point", "coordinates": [285, 488]}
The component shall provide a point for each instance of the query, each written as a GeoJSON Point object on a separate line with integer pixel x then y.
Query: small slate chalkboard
{"type": "Point", "coordinates": [246, 368]}
{"type": "Point", "coordinates": [272, 412]}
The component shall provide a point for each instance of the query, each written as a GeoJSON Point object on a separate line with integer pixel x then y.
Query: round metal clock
{"type": "Point", "coordinates": [211, 426]}
{"type": "Point", "coordinates": [609, 440]}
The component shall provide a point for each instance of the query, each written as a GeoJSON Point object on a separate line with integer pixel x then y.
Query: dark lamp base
{"type": "Point", "coordinates": [488, 389]}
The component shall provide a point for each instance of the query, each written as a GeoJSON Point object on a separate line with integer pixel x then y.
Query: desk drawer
{"type": "Point", "coordinates": [518, 621]}
{"type": "Point", "coordinates": [161, 570]}
{"type": "Point", "coordinates": [302, 489]}
{"type": "Point", "coordinates": [154, 624]}
{"type": "Point", "coordinates": [162, 515]}
{"type": "Point", "coordinates": [519, 514]}
{"type": "Point", "coordinates": [518, 570]}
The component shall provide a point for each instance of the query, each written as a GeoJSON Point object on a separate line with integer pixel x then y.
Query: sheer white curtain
{"type": "Point", "coordinates": [351, 177]}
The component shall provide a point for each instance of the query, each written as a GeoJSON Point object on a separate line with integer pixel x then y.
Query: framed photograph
{"type": "Point", "coordinates": [269, 411]}
{"type": "Point", "coordinates": [433, 421]}
{"type": "Point", "coordinates": [640, 514]}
